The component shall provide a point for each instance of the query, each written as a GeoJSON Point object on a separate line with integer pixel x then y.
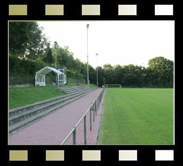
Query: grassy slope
{"type": "Point", "coordinates": [137, 116]}
{"type": "Point", "coordinates": [19, 96]}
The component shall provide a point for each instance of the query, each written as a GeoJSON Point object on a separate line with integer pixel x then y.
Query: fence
{"type": "Point", "coordinates": [28, 80]}
{"type": "Point", "coordinates": [20, 80]}
{"type": "Point", "coordinates": [112, 86]}
{"type": "Point", "coordinates": [91, 110]}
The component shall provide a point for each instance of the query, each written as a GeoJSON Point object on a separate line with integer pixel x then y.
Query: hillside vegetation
{"type": "Point", "coordinates": [30, 51]}
{"type": "Point", "coordinates": [23, 71]}
{"type": "Point", "coordinates": [21, 96]}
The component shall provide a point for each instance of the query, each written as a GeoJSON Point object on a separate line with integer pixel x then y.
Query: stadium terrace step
{"type": "Point", "coordinates": [72, 89]}
{"type": "Point", "coordinates": [21, 116]}
{"type": "Point", "coordinates": [39, 104]}
{"type": "Point", "coordinates": [30, 112]}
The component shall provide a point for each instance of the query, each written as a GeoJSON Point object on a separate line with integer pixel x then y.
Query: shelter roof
{"type": "Point", "coordinates": [48, 69]}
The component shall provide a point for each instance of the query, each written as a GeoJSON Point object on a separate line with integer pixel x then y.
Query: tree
{"type": "Point", "coordinates": [26, 39]}
{"type": "Point", "coordinates": [162, 70]}
{"type": "Point", "coordinates": [117, 74]}
{"type": "Point", "coordinates": [92, 75]}
{"type": "Point", "coordinates": [108, 74]}
{"type": "Point", "coordinates": [129, 75]}
{"type": "Point", "coordinates": [48, 55]}
{"type": "Point", "coordinates": [77, 65]}
{"type": "Point", "coordinates": [101, 77]}
{"type": "Point", "coordinates": [84, 71]}
{"type": "Point", "coordinates": [158, 74]}
{"type": "Point", "coordinates": [63, 56]}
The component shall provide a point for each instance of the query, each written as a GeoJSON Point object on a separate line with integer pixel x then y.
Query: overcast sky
{"type": "Point", "coordinates": [116, 42]}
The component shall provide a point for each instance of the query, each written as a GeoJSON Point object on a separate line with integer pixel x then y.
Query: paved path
{"type": "Point", "coordinates": [53, 128]}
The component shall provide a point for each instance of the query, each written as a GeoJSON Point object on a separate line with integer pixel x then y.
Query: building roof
{"type": "Point", "coordinates": [48, 69]}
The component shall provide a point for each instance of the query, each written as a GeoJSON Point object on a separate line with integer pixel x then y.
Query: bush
{"type": "Point", "coordinates": [74, 75]}
{"type": "Point", "coordinates": [23, 71]}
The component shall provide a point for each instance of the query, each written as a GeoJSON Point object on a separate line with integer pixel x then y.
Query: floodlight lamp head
{"type": "Point", "coordinates": [87, 25]}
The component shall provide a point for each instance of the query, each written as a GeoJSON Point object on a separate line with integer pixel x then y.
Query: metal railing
{"type": "Point", "coordinates": [93, 108]}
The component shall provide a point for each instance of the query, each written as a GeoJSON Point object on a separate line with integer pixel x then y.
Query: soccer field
{"type": "Point", "coordinates": [137, 117]}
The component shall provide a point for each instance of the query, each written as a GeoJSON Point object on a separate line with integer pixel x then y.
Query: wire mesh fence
{"type": "Point", "coordinates": [20, 80]}
{"type": "Point", "coordinates": [28, 80]}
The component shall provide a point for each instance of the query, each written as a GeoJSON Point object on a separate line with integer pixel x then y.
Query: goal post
{"type": "Point", "coordinates": [112, 85]}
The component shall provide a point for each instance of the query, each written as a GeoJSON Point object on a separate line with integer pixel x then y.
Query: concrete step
{"type": "Point", "coordinates": [72, 89]}
{"type": "Point", "coordinates": [25, 114]}
{"type": "Point", "coordinates": [24, 118]}
{"type": "Point", "coordinates": [18, 110]}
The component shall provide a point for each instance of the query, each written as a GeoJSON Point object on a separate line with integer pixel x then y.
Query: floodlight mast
{"type": "Point", "coordinates": [88, 81]}
{"type": "Point", "coordinates": [56, 64]}
{"type": "Point", "coordinates": [97, 67]}
{"type": "Point", "coordinates": [55, 54]}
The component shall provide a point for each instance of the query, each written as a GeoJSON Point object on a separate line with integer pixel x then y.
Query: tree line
{"type": "Point", "coordinates": [159, 73]}
{"type": "Point", "coordinates": [28, 47]}
{"type": "Point", "coordinates": [29, 44]}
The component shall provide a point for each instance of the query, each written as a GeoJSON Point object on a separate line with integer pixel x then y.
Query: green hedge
{"type": "Point", "coordinates": [74, 75]}
{"type": "Point", "coordinates": [25, 70]}
{"type": "Point", "coordinates": [22, 68]}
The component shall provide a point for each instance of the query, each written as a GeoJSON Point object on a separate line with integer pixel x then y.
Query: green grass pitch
{"type": "Point", "coordinates": [137, 117]}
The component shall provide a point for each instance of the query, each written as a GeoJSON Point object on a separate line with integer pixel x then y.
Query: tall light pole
{"type": "Point", "coordinates": [88, 81]}
{"type": "Point", "coordinates": [97, 67]}
{"type": "Point", "coordinates": [55, 55]}
{"type": "Point", "coordinates": [56, 63]}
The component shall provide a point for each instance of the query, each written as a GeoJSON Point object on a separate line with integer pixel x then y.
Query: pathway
{"type": "Point", "coordinates": [53, 128]}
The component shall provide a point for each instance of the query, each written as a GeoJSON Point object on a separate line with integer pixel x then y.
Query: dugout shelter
{"type": "Point", "coordinates": [40, 77]}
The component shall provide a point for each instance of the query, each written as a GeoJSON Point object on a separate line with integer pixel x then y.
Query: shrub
{"type": "Point", "coordinates": [23, 71]}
